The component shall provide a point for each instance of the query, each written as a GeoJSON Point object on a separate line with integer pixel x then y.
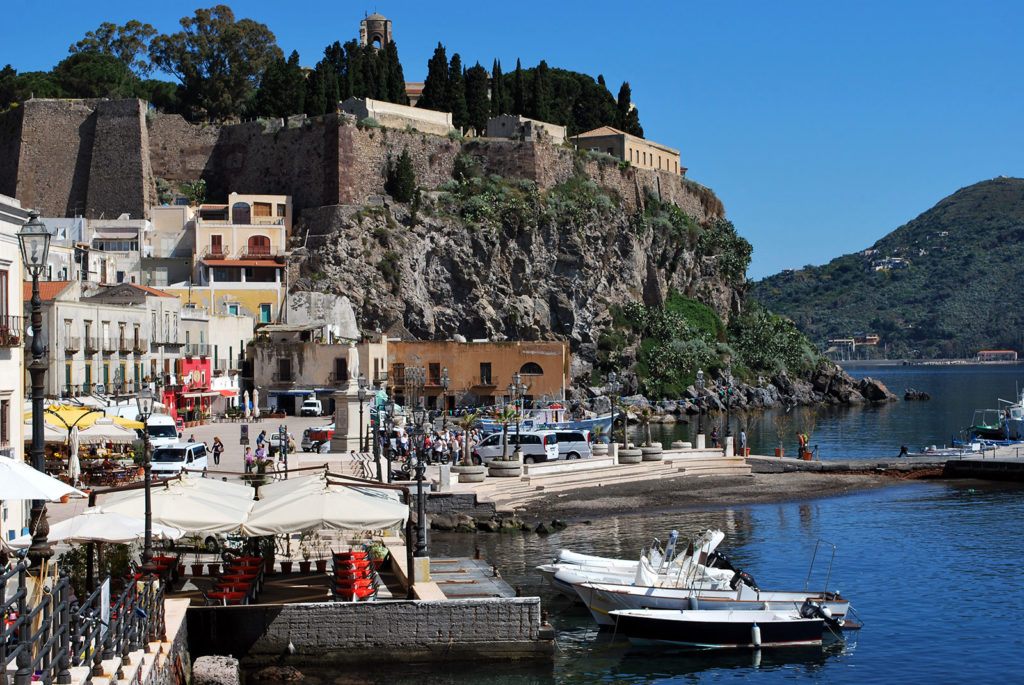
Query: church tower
{"type": "Point", "coordinates": [375, 30]}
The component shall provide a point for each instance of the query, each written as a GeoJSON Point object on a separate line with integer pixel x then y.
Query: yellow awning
{"type": "Point", "coordinates": [65, 417]}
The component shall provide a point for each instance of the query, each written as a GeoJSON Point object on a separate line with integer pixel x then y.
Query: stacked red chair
{"type": "Point", "coordinates": [354, 577]}
{"type": "Point", "coordinates": [239, 583]}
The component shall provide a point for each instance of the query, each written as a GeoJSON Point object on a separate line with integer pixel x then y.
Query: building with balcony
{"type": "Point", "coordinates": [639, 152]}
{"type": "Point", "coordinates": [14, 513]}
{"type": "Point", "coordinates": [479, 372]}
{"type": "Point", "coordinates": [248, 227]}
{"type": "Point", "coordinates": [293, 361]}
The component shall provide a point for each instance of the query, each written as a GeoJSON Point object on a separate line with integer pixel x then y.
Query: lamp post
{"type": "Point", "coordinates": [361, 395]}
{"type": "Point", "coordinates": [35, 245]}
{"type": "Point", "coordinates": [613, 385]}
{"type": "Point", "coordinates": [700, 401]}
{"type": "Point", "coordinates": [389, 426]}
{"type": "Point", "coordinates": [144, 402]}
{"type": "Point", "coordinates": [514, 392]}
{"type": "Point", "coordinates": [421, 517]}
{"type": "Point", "coordinates": [444, 398]}
{"type": "Point", "coordinates": [728, 404]}
{"type": "Point", "coordinates": [376, 437]}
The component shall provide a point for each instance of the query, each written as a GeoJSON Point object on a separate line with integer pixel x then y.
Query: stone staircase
{"type": "Point", "coordinates": [509, 493]}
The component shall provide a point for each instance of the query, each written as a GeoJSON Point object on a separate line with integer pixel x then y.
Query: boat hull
{"type": "Point", "coordinates": [719, 629]}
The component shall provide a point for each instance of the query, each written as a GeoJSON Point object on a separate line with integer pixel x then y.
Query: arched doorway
{"type": "Point", "coordinates": [241, 213]}
{"type": "Point", "coordinates": [258, 246]}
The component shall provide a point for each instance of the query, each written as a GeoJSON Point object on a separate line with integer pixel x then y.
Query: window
{"type": "Point", "coordinates": [485, 373]}
{"type": "Point", "coordinates": [88, 374]}
{"type": "Point", "coordinates": [233, 309]}
{"type": "Point", "coordinates": [106, 373]}
{"type": "Point", "coordinates": [67, 374]}
{"type": "Point", "coordinates": [258, 246]}
{"type": "Point", "coordinates": [240, 213]}
{"type": "Point", "coordinates": [397, 373]}
{"type": "Point", "coordinates": [531, 369]}
{"type": "Point", "coordinates": [341, 369]}
{"type": "Point", "coordinates": [5, 421]}
{"type": "Point", "coordinates": [264, 313]}
{"type": "Point", "coordinates": [284, 369]}
{"type": "Point", "coordinates": [282, 210]}
{"type": "Point", "coordinates": [261, 209]}
{"type": "Point", "coordinates": [434, 373]}
{"type": "Point", "coordinates": [4, 291]}
{"type": "Point", "coordinates": [216, 244]}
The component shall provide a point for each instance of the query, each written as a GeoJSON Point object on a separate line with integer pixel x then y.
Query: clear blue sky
{"type": "Point", "coordinates": [821, 125]}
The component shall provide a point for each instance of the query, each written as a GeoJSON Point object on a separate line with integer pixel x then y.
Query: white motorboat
{"type": "Point", "coordinates": [720, 629]}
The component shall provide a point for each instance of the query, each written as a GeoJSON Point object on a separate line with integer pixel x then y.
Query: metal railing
{"type": "Point", "coordinates": [92, 345]}
{"type": "Point", "coordinates": [10, 330]}
{"type": "Point", "coordinates": [335, 378]}
{"type": "Point", "coordinates": [283, 377]}
{"type": "Point", "coordinates": [124, 346]}
{"type": "Point", "coordinates": [109, 345]}
{"type": "Point", "coordinates": [72, 344]}
{"type": "Point", "coordinates": [484, 381]}
{"type": "Point", "coordinates": [197, 349]}
{"type": "Point", "coordinates": [140, 346]}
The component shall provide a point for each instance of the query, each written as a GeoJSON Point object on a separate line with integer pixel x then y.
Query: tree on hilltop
{"type": "Point", "coordinates": [498, 105]}
{"type": "Point", "coordinates": [629, 117]}
{"type": "Point", "coordinates": [282, 90]}
{"type": "Point", "coordinates": [540, 94]}
{"type": "Point", "coordinates": [477, 105]}
{"type": "Point", "coordinates": [518, 90]}
{"type": "Point", "coordinates": [395, 75]}
{"type": "Point", "coordinates": [218, 60]}
{"type": "Point", "coordinates": [128, 43]}
{"type": "Point", "coordinates": [436, 84]}
{"type": "Point", "coordinates": [456, 93]}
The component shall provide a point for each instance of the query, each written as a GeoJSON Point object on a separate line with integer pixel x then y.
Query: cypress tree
{"type": "Point", "coordinates": [282, 89]}
{"type": "Point", "coordinates": [518, 90]}
{"type": "Point", "coordinates": [477, 105]}
{"type": "Point", "coordinates": [629, 117]}
{"type": "Point", "coordinates": [354, 70]}
{"type": "Point", "coordinates": [497, 90]}
{"type": "Point", "coordinates": [436, 84]}
{"type": "Point", "coordinates": [540, 94]}
{"type": "Point", "coordinates": [316, 91]}
{"type": "Point", "coordinates": [457, 93]}
{"type": "Point", "coordinates": [395, 76]}
{"type": "Point", "coordinates": [402, 178]}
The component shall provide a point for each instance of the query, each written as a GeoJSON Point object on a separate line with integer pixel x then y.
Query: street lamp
{"type": "Point", "coordinates": [728, 402]}
{"type": "Point", "coordinates": [389, 427]}
{"type": "Point", "coordinates": [35, 245]}
{"type": "Point", "coordinates": [700, 401]}
{"type": "Point", "coordinates": [361, 395]}
{"type": "Point", "coordinates": [421, 517]}
{"type": "Point", "coordinates": [514, 392]}
{"type": "Point", "coordinates": [613, 385]}
{"type": "Point", "coordinates": [444, 398]}
{"type": "Point", "coordinates": [144, 402]}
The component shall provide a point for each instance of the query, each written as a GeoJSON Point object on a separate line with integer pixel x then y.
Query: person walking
{"type": "Point", "coordinates": [218, 448]}
{"type": "Point", "coordinates": [248, 459]}
{"type": "Point", "coordinates": [743, 443]}
{"type": "Point", "coordinates": [714, 437]}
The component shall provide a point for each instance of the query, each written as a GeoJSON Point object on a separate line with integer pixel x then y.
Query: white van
{"type": "Point", "coordinates": [162, 431]}
{"type": "Point", "coordinates": [169, 460]}
{"type": "Point", "coordinates": [574, 444]}
{"type": "Point", "coordinates": [536, 446]}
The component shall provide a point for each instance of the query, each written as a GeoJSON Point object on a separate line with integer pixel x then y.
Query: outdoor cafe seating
{"type": "Point", "coordinates": [239, 583]}
{"type": "Point", "coordinates": [354, 576]}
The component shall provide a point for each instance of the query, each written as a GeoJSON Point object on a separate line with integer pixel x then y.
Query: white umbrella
{"type": "Point", "coordinates": [316, 504]}
{"type": "Point", "coordinates": [246, 407]}
{"type": "Point", "coordinates": [255, 404]}
{"type": "Point", "coordinates": [94, 525]}
{"type": "Point", "coordinates": [50, 432]}
{"type": "Point", "coordinates": [190, 503]}
{"type": "Point", "coordinates": [105, 430]}
{"type": "Point", "coordinates": [19, 481]}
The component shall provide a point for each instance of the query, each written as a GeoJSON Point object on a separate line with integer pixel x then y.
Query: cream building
{"type": "Point", "coordinates": [641, 153]}
{"type": "Point", "coordinates": [14, 513]}
{"type": "Point", "coordinates": [518, 127]}
{"type": "Point", "coordinates": [399, 116]}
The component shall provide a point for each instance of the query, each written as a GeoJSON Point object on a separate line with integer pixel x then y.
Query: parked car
{"type": "Point", "coordinates": [170, 460]}
{"type": "Point", "coordinates": [274, 443]}
{"type": "Point", "coordinates": [574, 444]}
{"type": "Point", "coordinates": [536, 446]}
{"type": "Point", "coordinates": [311, 407]}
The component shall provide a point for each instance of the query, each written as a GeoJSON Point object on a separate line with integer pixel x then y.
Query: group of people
{"type": "Point", "coordinates": [437, 446]}
{"type": "Point", "coordinates": [716, 440]}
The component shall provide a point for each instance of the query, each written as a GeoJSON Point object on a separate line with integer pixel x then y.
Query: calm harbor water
{"type": "Point", "coordinates": [932, 568]}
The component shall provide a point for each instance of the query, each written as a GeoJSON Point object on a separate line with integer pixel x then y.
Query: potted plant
{"type": "Point", "coordinates": [599, 447]}
{"type": "Point", "coordinates": [197, 558]}
{"type": "Point", "coordinates": [627, 453]}
{"type": "Point", "coordinates": [505, 466]}
{"type": "Point", "coordinates": [808, 421]}
{"type": "Point", "coordinates": [307, 553]}
{"type": "Point", "coordinates": [214, 568]}
{"type": "Point", "coordinates": [649, 450]}
{"type": "Point", "coordinates": [323, 552]}
{"type": "Point", "coordinates": [379, 552]}
{"type": "Point", "coordinates": [782, 423]}
{"type": "Point", "coordinates": [467, 470]}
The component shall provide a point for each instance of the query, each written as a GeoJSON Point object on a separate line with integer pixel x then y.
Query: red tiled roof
{"type": "Point", "coordinates": [242, 262]}
{"type": "Point", "coordinates": [600, 131]}
{"type": "Point", "coordinates": [151, 291]}
{"type": "Point", "coordinates": [47, 289]}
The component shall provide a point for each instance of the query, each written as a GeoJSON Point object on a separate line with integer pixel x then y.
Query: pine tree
{"type": "Point", "coordinates": [395, 76]}
{"type": "Point", "coordinates": [316, 92]}
{"type": "Point", "coordinates": [436, 84]}
{"type": "Point", "coordinates": [282, 89]}
{"type": "Point", "coordinates": [402, 178]}
{"type": "Point", "coordinates": [629, 117]}
{"type": "Point", "coordinates": [540, 94]}
{"type": "Point", "coordinates": [457, 93]}
{"type": "Point", "coordinates": [518, 90]}
{"type": "Point", "coordinates": [477, 105]}
{"type": "Point", "coordinates": [354, 72]}
{"type": "Point", "coordinates": [497, 90]}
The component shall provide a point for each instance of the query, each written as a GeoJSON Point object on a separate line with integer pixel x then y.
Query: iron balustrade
{"type": "Point", "coordinates": [10, 330]}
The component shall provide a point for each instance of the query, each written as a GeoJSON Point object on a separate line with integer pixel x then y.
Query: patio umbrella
{"type": "Point", "coordinates": [105, 430]}
{"type": "Point", "coordinates": [246, 405]}
{"type": "Point", "coordinates": [94, 525]}
{"type": "Point", "coordinates": [255, 404]}
{"type": "Point", "coordinates": [19, 481]}
{"type": "Point", "coordinates": [190, 503]}
{"type": "Point", "coordinates": [50, 432]}
{"type": "Point", "coordinates": [64, 416]}
{"type": "Point", "coordinates": [74, 463]}
{"type": "Point", "coordinates": [324, 505]}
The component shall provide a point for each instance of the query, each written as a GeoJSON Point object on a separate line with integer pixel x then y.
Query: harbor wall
{"type": "Point", "coordinates": [341, 632]}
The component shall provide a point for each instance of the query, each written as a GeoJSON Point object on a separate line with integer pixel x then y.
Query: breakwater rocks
{"type": "Point", "coordinates": [464, 523]}
{"type": "Point", "coordinates": [831, 386]}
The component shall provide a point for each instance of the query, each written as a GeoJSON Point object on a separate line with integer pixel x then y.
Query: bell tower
{"type": "Point", "coordinates": [375, 30]}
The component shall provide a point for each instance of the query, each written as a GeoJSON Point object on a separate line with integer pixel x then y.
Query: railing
{"type": "Point", "coordinates": [335, 378]}
{"type": "Point", "coordinates": [283, 377]}
{"type": "Point", "coordinates": [484, 381]}
{"type": "Point", "coordinates": [109, 345]}
{"type": "Point", "coordinates": [197, 349]}
{"type": "Point", "coordinates": [92, 345]}
{"type": "Point", "coordinates": [220, 252]}
{"type": "Point", "coordinates": [140, 346]}
{"type": "Point", "coordinates": [10, 330]}
{"type": "Point", "coordinates": [255, 252]}
{"type": "Point", "coordinates": [72, 344]}
{"type": "Point", "coordinates": [124, 346]}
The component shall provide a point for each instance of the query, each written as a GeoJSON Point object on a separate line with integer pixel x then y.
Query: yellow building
{"type": "Point", "coordinates": [247, 227]}
{"type": "Point", "coordinates": [641, 153]}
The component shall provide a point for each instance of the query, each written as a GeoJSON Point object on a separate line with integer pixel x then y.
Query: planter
{"type": "Point", "coordinates": [780, 451]}
{"type": "Point", "coordinates": [321, 565]}
{"type": "Point", "coordinates": [680, 445]}
{"type": "Point", "coordinates": [181, 570]}
{"type": "Point", "coordinates": [197, 569]}
{"type": "Point", "coordinates": [286, 567]}
{"type": "Point", "coordinates": [807, 455]}
{"type": "Point", "coordinates": [746, 451]}
{"type": "Point", "coordinates": [630, 456]}
{"type": "Point", "coordinates": [505, 469]}
{"type": "Point", "coordinates": [269, 568]}
{"type": "Point", "coordinates": [377, 564]}
{"type": "Point", "coordinates": [214, 569]}
{"type": "Point", "coordinates": [64, 499]}
{"type": "Point", "coordinates": [600, 449]}
{"type": "Point", "coordinates": [304, 566]}
{"type": "Point", "coordinates": [470, 474]}
{"type": "Point", "coordinates": [654, 453]}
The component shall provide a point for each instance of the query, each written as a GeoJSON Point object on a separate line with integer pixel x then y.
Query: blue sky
{"type": "Point", "coordinates": [821, 125]}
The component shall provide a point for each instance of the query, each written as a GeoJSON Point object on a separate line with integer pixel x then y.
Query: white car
{"type": "Point", "coordinates": [172, 459]}
{"type": "Point", "coordinates": [274, 443]}
{"type": "Point", "coordinates": [536, 446]}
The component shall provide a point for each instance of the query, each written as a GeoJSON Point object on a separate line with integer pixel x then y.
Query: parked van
{"type": "Point", "coordinates": [162, 430]}
{"type": "Point", "coordinates": [311, 407]}
{"type": "Point", "coordinates": [169, 460]}
{"type": "Point", "coordinates": [574, 444]}
{"type": "Point", "coordinates": [536, 446]}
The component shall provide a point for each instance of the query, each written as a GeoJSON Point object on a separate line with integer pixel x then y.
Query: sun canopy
{"type": "Point", "coordinates": [104, 430]}
{"type": "Point", "coordinates": [201, 505]}
{"type": "Point", "coordinates": [93, 525]}
{"type": "Point", "coordinates": [19, 481]}
{"type": "Point", "coordinates": [315, 503]}
{"type": "Point", "coordinates": [64, 416]}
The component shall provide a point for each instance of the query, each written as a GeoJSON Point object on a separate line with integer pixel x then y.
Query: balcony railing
{"type": "Point", "coordinates": [256, 252]}
{"type": "Point", "coordinates": [124, 346]}
{"type": "Point", "coordinates": [334, 378]}
{"type": "Point", "coordinates": [283, 377]}
{"type": "Point", "coordinates": [92, 345]}
{"type": "Point", "coordinates": [140, 346]}
{"type": "Point", "coordinates": [10, 331]}
{"type": "Point", "coordinates": [197, 349]}
{"type": "Point", "coordinates": [72, 344]}
{"type": "Point", "coordinates": [109, 345]}
{"type": "Point", "coordinates": [220, 252]}
{"type": "Point", "coordinates": [484, 381]}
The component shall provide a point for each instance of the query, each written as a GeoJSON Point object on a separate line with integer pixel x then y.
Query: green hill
{"type": "Point", "coordinates": [946, 284]}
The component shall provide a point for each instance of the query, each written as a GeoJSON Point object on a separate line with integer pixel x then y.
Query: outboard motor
{"type": "Point", "coordinates": [718, 560]}
{"type": "Point", "coordinates": [745, 578]}
{"type": "Point", "coordinates": [811, 609]}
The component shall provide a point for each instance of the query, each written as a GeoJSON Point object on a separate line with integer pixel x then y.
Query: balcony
{"type": "Point", "coordinates": [287, 377]}
{"type": "Point", "coordinates": [216, 252]}
{"type": "Point", "coordinates": [124, 346]}
{"type": "Point", "coordinates": [72, 344]}
{"type": "Point", "coordinates": [484, 382]}
{"type": "Point", "coordinates": [335, 378]}
{"type": "Point", "coordinates": [109, 345]}
{"type": "Point", "coordinates": [140, 346]}
{"type": "Point", "coordinates": [197, 349]}
{"type": "Point", "coordinates": [10, 331]}
{"type": "Point", "coordinates": [92, 345]}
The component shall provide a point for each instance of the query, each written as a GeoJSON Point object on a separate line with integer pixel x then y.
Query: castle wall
{"type": "Point", "coordinates": [120, 175]}
{"type": "Point", "coordinates": [10, 146]}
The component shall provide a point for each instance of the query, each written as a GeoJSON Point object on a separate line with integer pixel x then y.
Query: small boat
{"type": "Point", "coordinates": [710, 629]}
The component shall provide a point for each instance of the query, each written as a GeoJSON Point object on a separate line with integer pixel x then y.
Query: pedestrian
{"type": "Point", "coordinates": [714, 437]}
{"type": "Point", "coordinates": [218, 447]}
{"type": "Point", "coordinates": [261, 438]}
{"type": "Point", "coordinates": [192, 438]}
{"type": "Point", "coordinates": [743, 442]}
{"type": "Point", "coordinates": [248, 459]}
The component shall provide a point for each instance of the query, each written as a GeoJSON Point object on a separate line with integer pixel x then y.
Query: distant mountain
{"type": "Point", "coordinates": [947, 284]}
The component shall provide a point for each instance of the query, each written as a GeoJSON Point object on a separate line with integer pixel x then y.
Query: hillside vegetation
{"type": "Point", "coordinates": [946, 284]}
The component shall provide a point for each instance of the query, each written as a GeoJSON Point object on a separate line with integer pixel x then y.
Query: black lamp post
{"type": "Point", "coordinates": [513, 394]}
{"type": "Point", "coordinates": [728, 402]}
{"type": "Point", "coordinates": [389, 427]}
{"type": "Point", "coordinates": [699, 383]}
{"type": "Point", "coordinates": [613, 385]}
{"type": "Point", "coordinates": [35, 245]}
{"type": "Point", "coordinates": [144, 402]}
{"type": "Point", "coordinates": [361, 395]}
{"type": "Point", "coordinates": [444, 398]}
{"type": "Point", "coordinates": [421, 517]}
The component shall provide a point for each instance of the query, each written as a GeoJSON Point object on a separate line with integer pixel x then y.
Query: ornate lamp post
{"type": "Point", "coordinates": [361, 395]}
{"type": "Point", "coordinates": [613, 385]}
{"type": "Point", "coordinates": [728, 402]}
{"type": "Point", "coordinates": [515, 391]}
{"type": "Point", "coordinates": [144, 402]}
{"type": "Point", "coordinates": [389, 427]}
{"type": "Point", "coordinates": [421, 517]}
{"type": "Point", "coordinates": [444, 398]}
{"type": "Point", "coordinates": [699, 383]}
{"type": "Point", "coordinates": [35, 245]}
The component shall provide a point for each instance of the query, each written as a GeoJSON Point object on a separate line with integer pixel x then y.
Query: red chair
{"type": "Point", "coordinates": [348, 556]}
{"type": "Point", "coordinates": [221, 598]}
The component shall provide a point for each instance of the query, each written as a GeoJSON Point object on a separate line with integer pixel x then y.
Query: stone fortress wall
{"type": "Point", "coordinates": [67, 156]}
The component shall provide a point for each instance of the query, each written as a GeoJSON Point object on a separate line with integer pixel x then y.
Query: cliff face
{"type": "Point", "coordinates": [500, 259]}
